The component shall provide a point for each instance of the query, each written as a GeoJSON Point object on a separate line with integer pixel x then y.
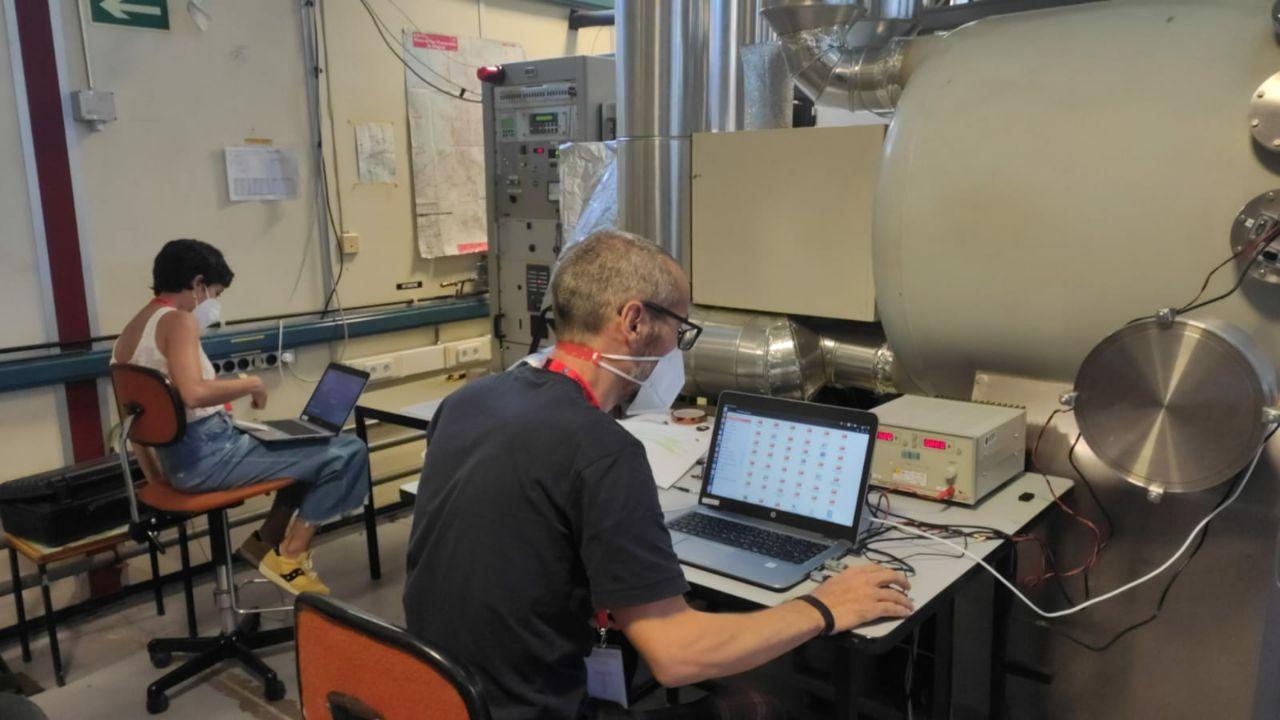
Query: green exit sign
{"type": "Point", "coordinates": [153, 14]}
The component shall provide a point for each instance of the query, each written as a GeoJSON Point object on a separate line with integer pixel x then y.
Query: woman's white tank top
{"type": "Point", "coordinates": [148, 355]}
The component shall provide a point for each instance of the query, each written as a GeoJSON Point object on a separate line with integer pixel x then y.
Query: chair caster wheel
{"type": "Point", "coordinates": [274, 690]}
{"type": "Point", "coordinates": [161, 659]}
{"type": "Point", "coordinates": [157, 703]}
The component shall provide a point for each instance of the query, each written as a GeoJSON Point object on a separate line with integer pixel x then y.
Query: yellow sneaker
{"type": "Point", "coordinates": [293, 574]}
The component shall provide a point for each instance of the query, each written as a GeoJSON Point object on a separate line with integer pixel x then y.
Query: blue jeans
{"type": "Point", "coordinates": [214, 454]}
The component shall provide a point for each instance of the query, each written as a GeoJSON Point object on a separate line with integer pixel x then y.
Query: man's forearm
{"type": "Point", "coordinates": [720, 644]}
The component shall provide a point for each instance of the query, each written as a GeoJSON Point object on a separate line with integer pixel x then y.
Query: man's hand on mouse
{"type": "Point", "coordinates": [864, 593]}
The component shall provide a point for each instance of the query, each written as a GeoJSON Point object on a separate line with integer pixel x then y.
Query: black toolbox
{"type": "Point", "coordinates": [61, 506]}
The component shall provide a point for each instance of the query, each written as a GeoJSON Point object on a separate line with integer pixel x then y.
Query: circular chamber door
{"type": "Point", "coordinates": [1175, 406]}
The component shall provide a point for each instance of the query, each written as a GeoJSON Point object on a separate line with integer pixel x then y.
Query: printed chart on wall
{"type": "Point", "coordinates": [446, 138]}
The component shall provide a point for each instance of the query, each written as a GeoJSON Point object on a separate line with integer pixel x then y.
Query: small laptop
{"type": "Point", "coordinates": [332, 401]}
{"type": "Point", "coordinates": [784, 486]}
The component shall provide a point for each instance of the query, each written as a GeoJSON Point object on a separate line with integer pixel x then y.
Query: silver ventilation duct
{"type": "Point", "coordinates": [857, 356]}
{"type": "Point", "coordinates": [776, 355]}
{"type": "Point", "coordinates": [662, 69]}
{"type": "Point", "coordinates": [734, 26]}
{"type": "Point", "coordinates": [845, 53]}
{"type": "Point", "coordinates": [753, 352]}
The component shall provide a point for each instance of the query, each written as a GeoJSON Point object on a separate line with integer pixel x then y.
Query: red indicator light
{"type": "Point", "coordinates": [491, 74]}
{"type": "Point", "coordinates": [935, 444]}
{"type": "Point", "coordinates": [539, 151]}
{"type": "Point", "coordinates": [886, 436]}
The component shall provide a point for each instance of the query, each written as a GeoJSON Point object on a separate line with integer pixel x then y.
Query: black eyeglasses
{"type": "Point", "coordinates": [686, 333]}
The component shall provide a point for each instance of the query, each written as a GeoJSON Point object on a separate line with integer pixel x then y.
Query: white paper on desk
{"type": "Point", "coordinates": [261, 172]}
{"type": "Point", "coordinates": [672, 449]}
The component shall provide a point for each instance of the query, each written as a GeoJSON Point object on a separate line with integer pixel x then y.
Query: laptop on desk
{"type": "Point", "coordinates": [331, 402]}
{"type": "Point", "coordinates": [785, 483]}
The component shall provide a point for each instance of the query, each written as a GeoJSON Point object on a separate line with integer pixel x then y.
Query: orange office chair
{"type": "Point", "coordinates": [153, 414]}
{"type": "Point", "coordinates": [352, 666]}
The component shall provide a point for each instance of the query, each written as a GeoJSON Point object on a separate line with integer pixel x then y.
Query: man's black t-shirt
{"type": "Point", "coordinates": [534, 509]}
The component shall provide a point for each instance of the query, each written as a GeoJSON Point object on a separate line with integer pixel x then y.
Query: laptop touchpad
{"type": "Point", "coordinates": [703, 552]}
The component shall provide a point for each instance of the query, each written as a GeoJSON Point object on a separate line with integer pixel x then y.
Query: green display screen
{"type": "Point", "coordinates": [548, 117]}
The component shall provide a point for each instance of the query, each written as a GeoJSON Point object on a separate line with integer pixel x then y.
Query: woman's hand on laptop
{"type": "Point", "coordinates": [864, 593]}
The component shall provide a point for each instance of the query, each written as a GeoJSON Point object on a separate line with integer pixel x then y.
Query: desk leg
{"type": "Point", "coordinates": [155, 579]}
{"type": "Point", "coordinates": [1002, 607]}
{"type": "Point", "coordinates": [187, 591]}
{"type": "Point", "coordinates": [370, 512]}
{"type": "Point", "coordinates": [16, 576]}
{"type": "Point", "coordinates": [52, 626]}
{"type": "Point", "coordinates": [847, 676]}
{"type": "Point", "coordinates": [943, 665]}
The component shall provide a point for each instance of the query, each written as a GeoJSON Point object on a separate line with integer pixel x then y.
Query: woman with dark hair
{"type": "Point", "coordinates": [187, 278]}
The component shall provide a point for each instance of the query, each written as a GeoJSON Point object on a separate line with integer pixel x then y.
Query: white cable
{"type": "Point", "coordinates": [1077, 608]}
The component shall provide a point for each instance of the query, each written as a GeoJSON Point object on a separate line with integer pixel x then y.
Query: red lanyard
{"type": "Point", "coordinates": [162, 301]}
{"type": "Point", "coordinates": [554, 365]}
{"type": "Point", "coordinates": [558, 367]}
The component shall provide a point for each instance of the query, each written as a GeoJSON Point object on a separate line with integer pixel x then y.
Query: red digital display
{"type": "Point", "coordinates": [886, 436]}
{"type": "Point", "coordinates": [935, 444]}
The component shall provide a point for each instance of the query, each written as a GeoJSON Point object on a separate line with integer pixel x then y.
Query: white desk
{"type": "Point", "coordinates": [945, 589]}
{"type": "Point", "coordinates": [1002, 510]}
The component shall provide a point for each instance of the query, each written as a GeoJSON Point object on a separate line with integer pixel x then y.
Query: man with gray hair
{"type": "Point", "coordinates": [537, 512]}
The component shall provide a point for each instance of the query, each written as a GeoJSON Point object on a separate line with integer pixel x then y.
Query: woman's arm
{"type": "Point", "coordinates": [178, 338]}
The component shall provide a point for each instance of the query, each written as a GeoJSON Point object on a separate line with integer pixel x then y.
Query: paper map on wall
{"type": "Point", "coordinates": [376, 152]}
{"type": "Point", "coordinates": [446, 139]}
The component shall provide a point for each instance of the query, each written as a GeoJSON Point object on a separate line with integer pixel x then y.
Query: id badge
{"type": "Point", "coordinates": [606, 679]}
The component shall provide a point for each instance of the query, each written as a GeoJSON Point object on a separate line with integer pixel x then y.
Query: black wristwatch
{"type": "Point", "coordinates": [828, 620]}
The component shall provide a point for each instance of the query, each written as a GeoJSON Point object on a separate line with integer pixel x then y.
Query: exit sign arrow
{"type": "Point", "coordinates": [153, 14]}
{"type": "Point", "coordinates": [121, 9]}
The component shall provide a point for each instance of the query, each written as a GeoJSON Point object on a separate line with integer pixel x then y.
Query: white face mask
{"type": "Point", "coordinates": [662, 386]}
{"type": "Point", "coordinates": [207, 313]}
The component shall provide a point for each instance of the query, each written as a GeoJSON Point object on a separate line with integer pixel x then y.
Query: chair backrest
{"type": "Point", "coordinates": [160, 416]}
{"type": "Point", "coordinates": [352, 666]}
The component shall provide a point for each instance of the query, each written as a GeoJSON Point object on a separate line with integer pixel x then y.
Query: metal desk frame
{"type": "Point", "coordinates": [363, 415]}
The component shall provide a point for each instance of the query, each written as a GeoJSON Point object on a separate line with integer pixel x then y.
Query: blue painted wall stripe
{"type": "Point", "coordinates": [67, 367]}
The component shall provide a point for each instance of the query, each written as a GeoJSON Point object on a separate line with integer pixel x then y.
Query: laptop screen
{"type": "Point", "coordinates": [805, 466]}
{"type": "Point", "coordinates": [335, 396]}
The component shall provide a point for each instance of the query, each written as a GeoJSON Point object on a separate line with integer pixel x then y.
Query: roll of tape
{"type": "Point", "coordinates": [688, 416]}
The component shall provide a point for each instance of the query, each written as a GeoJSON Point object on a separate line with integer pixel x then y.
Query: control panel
{"type": "Point", "coordinates": [541, 106]}
{"type": "Point", "coordinates": [947, 449]}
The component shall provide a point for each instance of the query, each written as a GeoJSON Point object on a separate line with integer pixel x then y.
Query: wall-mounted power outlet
{"type": "Point", "coordinates": [350, 243]}
{"type": "Point", "coordinates": [468, 352]}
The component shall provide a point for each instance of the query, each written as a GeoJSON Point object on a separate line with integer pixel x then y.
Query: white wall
{"type": "Point", "coordinates": [28, 419]}
{"type": "Point", "coordinates": [157, 173]}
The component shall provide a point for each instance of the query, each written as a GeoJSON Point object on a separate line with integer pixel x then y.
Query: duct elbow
{"type": "Point", "coordinates": [833, 74]}
{"type": "Point", "coordinates": [841, 57]}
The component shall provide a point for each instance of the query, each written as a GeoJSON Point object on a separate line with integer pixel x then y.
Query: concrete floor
{"type": "Point", "coordinates": [106, 662]}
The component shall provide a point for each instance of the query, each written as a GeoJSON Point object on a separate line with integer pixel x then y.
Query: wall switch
{"type": "Point", "coordinates": [350, 243]}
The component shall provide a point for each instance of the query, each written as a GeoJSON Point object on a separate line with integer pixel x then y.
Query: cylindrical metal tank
{"type": "Point", "coordinates": [1051, 175]}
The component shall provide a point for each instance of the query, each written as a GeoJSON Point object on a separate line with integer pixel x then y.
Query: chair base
{"type": "Point", "coordinates": [211, 651]}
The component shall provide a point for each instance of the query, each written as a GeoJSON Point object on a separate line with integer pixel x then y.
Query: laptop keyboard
{"type": "Point", "coordinates": [293, 427]}
{"type": "Point", "coordinates": [781, 546]}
